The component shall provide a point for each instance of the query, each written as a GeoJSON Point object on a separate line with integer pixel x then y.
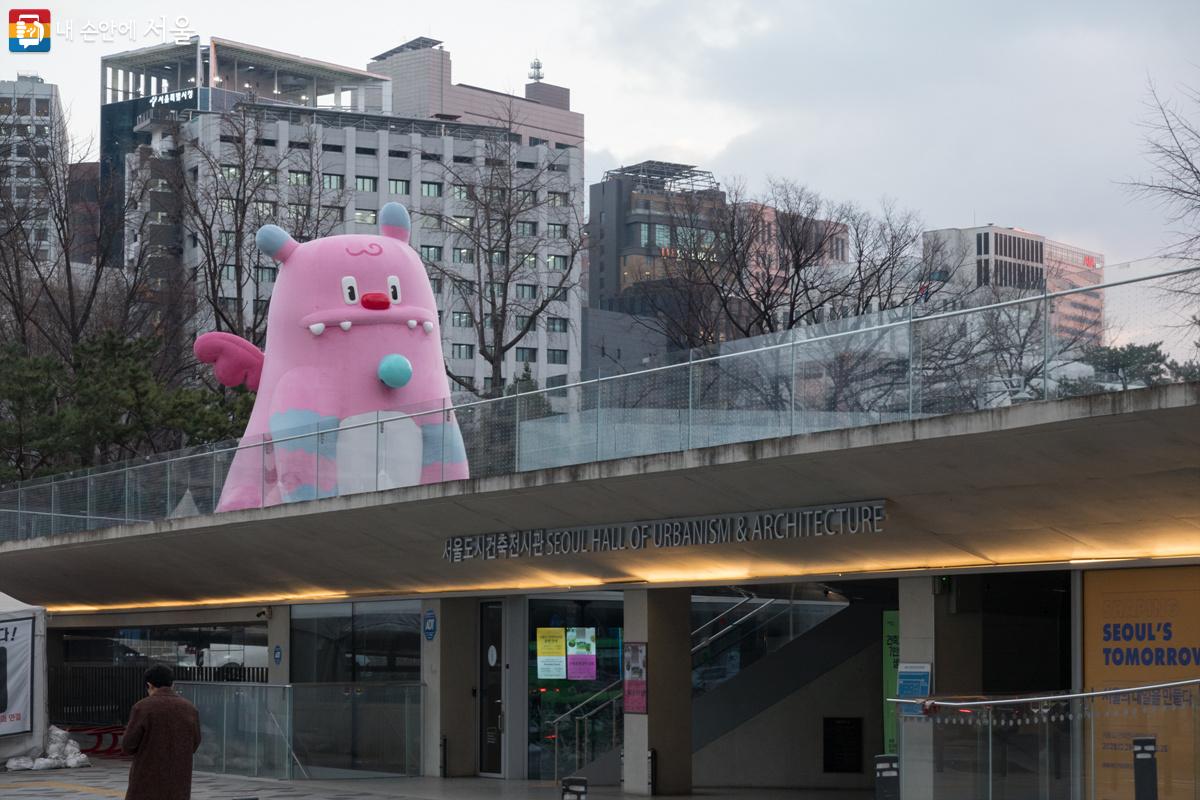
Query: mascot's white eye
{"type": "Point", "coordinates": [350, 290]}
{"type": "Point", "coordinates": [393, 289]}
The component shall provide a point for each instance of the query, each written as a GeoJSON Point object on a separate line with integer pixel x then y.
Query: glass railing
{"type": "Point", "coordinates": [1141, 743]}
{"type": "Point", "coordinates": [902, 364]}
{"type": "Point", "coordinates": [245, 728]}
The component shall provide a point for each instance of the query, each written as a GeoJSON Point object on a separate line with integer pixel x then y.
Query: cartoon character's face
{"type": "Point", "coordinates": [335, 285]}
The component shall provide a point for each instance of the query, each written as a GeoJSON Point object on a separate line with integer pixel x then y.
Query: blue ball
{"type": "Point", "coordinates": [395, 370]}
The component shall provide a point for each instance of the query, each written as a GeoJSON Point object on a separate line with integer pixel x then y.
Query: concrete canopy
{"type": "Point", "coordinates": [1108, 477]}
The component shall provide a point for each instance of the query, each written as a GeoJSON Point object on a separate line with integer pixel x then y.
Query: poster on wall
{"type": "Point", "coordinates": [633, 663]}
{"type": "Point", "coordinates": [913, 680]}
{"type": "Point", "coordinates": [16, 676]}
{"type": "Point", "coordinates": [891, 669]}
{"type": "Point", "coordinates": [581, 654]}
{"type": "Point", "coordinates": [1142, 627]}
{"type": "Point", "coordinates": [551, 653]}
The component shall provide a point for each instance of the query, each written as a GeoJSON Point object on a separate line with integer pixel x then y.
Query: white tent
{"type": "Point", "coordinates": [23, 720]}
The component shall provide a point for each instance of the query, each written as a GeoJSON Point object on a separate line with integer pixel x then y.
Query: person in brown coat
{"type": "Point", "coordinates": [162, 734]}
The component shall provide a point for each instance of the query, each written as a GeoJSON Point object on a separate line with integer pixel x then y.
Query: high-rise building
{"type": "Point", "coordinates": [328, 149]}
{"type": "Point", "coordinates": [31, 120]}
{"type": "Point", "coordinates": [421, 86]}
{"type": "Point", "coordinates": [981, 264]}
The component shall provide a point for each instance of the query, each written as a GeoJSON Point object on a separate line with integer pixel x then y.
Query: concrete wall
{"type": "Point", "coordinates": [448, 673]}
{"type": "Point", "coordinates": [783, 746]}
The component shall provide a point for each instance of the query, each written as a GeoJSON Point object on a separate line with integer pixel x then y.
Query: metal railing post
{"type": "Point", "coordinates": [378, 428]}
{"type": "Point", "coordinates": [517, 432]}
{"type": "Point", "coordinates": [792, 391]}
{"type": "Point", "coordinates": [262, 471]}
{"type": "Point", "coordinates": [598, 395]}
{"type": "Point", "coordinates": [691, 355]}
{"type": "Point", "coordinates": [215, 493]}
{"type": "Point", "coordinates": [1045, 343]}
{"type": "Point", "coordinates": [990, 724]}
{"type": "Point", "coordinates": [911, 361]}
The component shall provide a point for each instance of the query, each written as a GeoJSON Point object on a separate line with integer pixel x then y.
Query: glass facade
{"type": "Point", "coordinates": [550, 698]}
{"type": "Point", "coordinates": [176, 646]}
{"type": "Point", "coordinates": [356, 642]}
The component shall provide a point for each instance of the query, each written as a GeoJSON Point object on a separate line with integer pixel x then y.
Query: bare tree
{"type": "Point", "coordinates": [1172, 143]}
{"type": "Point", "coordinates": [64, 274]}
{"type": "Point", "coordinates": [515, 241]}
{"type": "Point", "coordinates": [228, 190]}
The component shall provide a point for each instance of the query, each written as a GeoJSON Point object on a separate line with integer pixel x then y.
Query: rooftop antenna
{"type": "Point", "coordinates": [535, 70]}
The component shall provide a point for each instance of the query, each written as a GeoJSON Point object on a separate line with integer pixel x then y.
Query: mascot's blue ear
{"type": "Point", "coordinates": [395, 222]}
{"type": "Point", "coordinates": [275, 242]}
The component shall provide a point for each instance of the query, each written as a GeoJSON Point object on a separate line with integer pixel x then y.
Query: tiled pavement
{"type": "Point", "coordinates": [106, 778]}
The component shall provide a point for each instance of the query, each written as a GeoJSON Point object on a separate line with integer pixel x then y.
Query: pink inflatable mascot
{"type": "Point", "coordinates": [352, 335]}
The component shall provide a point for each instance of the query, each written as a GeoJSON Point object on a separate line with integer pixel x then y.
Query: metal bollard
{"type": "Point", "coordinates": [887, 777]}
{"type": "Point", "coordinates": [575, 788]}
{"type": "Point", "coordinates": [1145, 768]}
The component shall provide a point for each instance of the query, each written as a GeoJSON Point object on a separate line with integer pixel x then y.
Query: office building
{"type": "Point", "coordinates": [336, 154]}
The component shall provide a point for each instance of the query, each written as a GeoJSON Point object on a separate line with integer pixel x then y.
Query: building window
{"type": "Point", "coordinates": [459, 192]}
{"type": "Point", "coordinates": [42, 107]}
{"type": "Point", "coordinates": [558, 198]}
{"type": "Point", "coordinates": [264, 208]}
{"type": "Point", "coordinates": [436, 285]}
{"type": "Point", "coordinates": [397, 186]}
{"type": "Point", "coordinates": [365, 216]}
{"type": "Point", "coordinates": [554, 356]}
{"type": "Point", "coordinates": [498, 258]}
{"type": "Point", "coordinates": [298, 177]}
{"type": "Point", "coordinates": [331, 180]}
{"type": "Point", "coordinates": [527, 198]}
{"type": "Point", "coordinates": [526, 228]}
{"type": "Point", "coordinates": [556, 324]}
{"type": "Point", "coordinates": [366, 183]}
{"type": "Point", "coordinates": [431, 188]}
{"type": "Point", "coordinates": [462, 223]}
{"type": "Point", "coordinates": [557, 230]}
{"type": "Point", "coordinates": [229, 172]}
{"type": "Point", "coordinates": [462, 350]}
{"type": "Point", "coordinates": [334, 212]}
{"type": "Point", "coordinates": [431, 157]}
{"type": "Point", "coordinates": [464, 287]}
{"type": "Point", "coordinates": [662, 235]}
{"type": "Point", "coordinates": [559, 293]}
{"type": "Point", "coordinates": [265, 274]}
{"type": "Point", "coordinates": [365, 151]}
{"type": "Point", "coordinates": [526, 355]}
{"type": "Point", "coordinates": [639, 234]}
{"type": "Point", "coordinates": [557, 263]}
{"type": "Point", "coordinates": [535, 141]}
{"type": "Point", "coordinates": [463, 255]}
{"type": "Point", "coordinates": [527, 291]}
{"type": "Point", "coordinates": [397, 154]}
{"type": "Point", "coordinates": [460, 319]}
{"type": "Point", "coordinates": [555, 381]}
{"type": "Point", "coordinates": [431, 252]}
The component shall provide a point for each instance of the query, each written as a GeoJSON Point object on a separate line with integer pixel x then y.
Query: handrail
{"type": "Point", "coordinates": [697, 648]}
{"type": "Point", "coordinates": [566, 714]}
{"type": "Point", "coordinates": [1044, 296]}
{"type": "Point", "coordinates": [1005, 701]}
{"type": "Point", "coordinates": [748, 597]}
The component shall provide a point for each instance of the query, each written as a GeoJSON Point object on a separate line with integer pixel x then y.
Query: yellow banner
{"type": "Point", "coordinates": [1142, 626]}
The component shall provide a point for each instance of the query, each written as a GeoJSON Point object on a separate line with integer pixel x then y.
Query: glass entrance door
{"type": "Point", "coordinates": [491, 682]}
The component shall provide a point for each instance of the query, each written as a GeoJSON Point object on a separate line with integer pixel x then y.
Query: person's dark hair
{"type": "Point", "coordinates": [160, 675]}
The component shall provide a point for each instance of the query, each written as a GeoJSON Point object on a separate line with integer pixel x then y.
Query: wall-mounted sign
{"type": "Point", "coordinates": [913, 680]}
{"type": "Point", "coordinates": [581, 654]}
{"type": "Point", "coordinates": [634, 672]}
{"type": "Point", "coordinates": [891, 669]}
{"type": "Point", "coordinates": [750, 527]}
{"type": "Point", "coordinates": [429, 625]}
{"type": "Point", "coordinates": [184, 97]}
{"type": "Point", "coordinates": [16, 676]}
{"type": "Point", "coordinates": [277, 655]}
{"type": "Point", "coordinates": [551, 653]}
{"type": "Point", "coordinates": [1140, 627]}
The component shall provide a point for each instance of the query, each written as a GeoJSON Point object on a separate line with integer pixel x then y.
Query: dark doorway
{"type": "Point", "coordinates": [491, 682]}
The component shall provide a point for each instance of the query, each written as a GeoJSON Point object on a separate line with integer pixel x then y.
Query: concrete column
{"type": "Point", "coordinates": [918, 613]}
{"type": "Point", "coordinates": [516, 688]}
{"type": "Point", "coordinates": [662, 619]}
{"type": "Point", "coordinates": [279, 634]}
{"type": "Point", "coordinates": [449, 677]}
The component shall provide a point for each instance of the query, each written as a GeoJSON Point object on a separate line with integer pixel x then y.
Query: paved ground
{"type": "Point", "coordinates": [106, 778]}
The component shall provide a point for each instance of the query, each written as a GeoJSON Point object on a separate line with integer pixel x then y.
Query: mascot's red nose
{"type": "Point", "coordinates": [376, 301]}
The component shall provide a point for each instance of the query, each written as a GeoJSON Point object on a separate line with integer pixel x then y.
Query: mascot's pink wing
{"type": "Point", "coordinates": [235, 361]}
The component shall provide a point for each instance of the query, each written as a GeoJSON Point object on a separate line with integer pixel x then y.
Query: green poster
{"type": "Point", "coordinates": [891, 663]}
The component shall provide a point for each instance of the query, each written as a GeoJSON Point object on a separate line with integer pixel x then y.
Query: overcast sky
{"type": "Point", "coordinates": [1016, 113]}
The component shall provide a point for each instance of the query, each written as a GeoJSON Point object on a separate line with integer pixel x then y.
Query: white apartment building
{"type": "Point", "coordinates": [31, 117]}
{"type": "Point", "coordinates": [368, 158]}
{"type": "Point", "coordinates": [986, 263]}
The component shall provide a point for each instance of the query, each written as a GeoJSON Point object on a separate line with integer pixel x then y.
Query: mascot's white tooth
{"type": "Point", "coordinates": [412, 323]}
{"type": "Point", "coordinates": [345, 325]}
{"type": "Point", "coordinates": [428, 326]}
{"type": "Point", "coordinates": [317, 328]}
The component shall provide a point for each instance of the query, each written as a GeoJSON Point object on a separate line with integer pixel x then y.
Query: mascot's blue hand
{"type": "Point", "coordinates": [395, 370]}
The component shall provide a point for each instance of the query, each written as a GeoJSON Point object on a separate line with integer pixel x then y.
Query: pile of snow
{"type": "Point", "coordinates": [62, 752]}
